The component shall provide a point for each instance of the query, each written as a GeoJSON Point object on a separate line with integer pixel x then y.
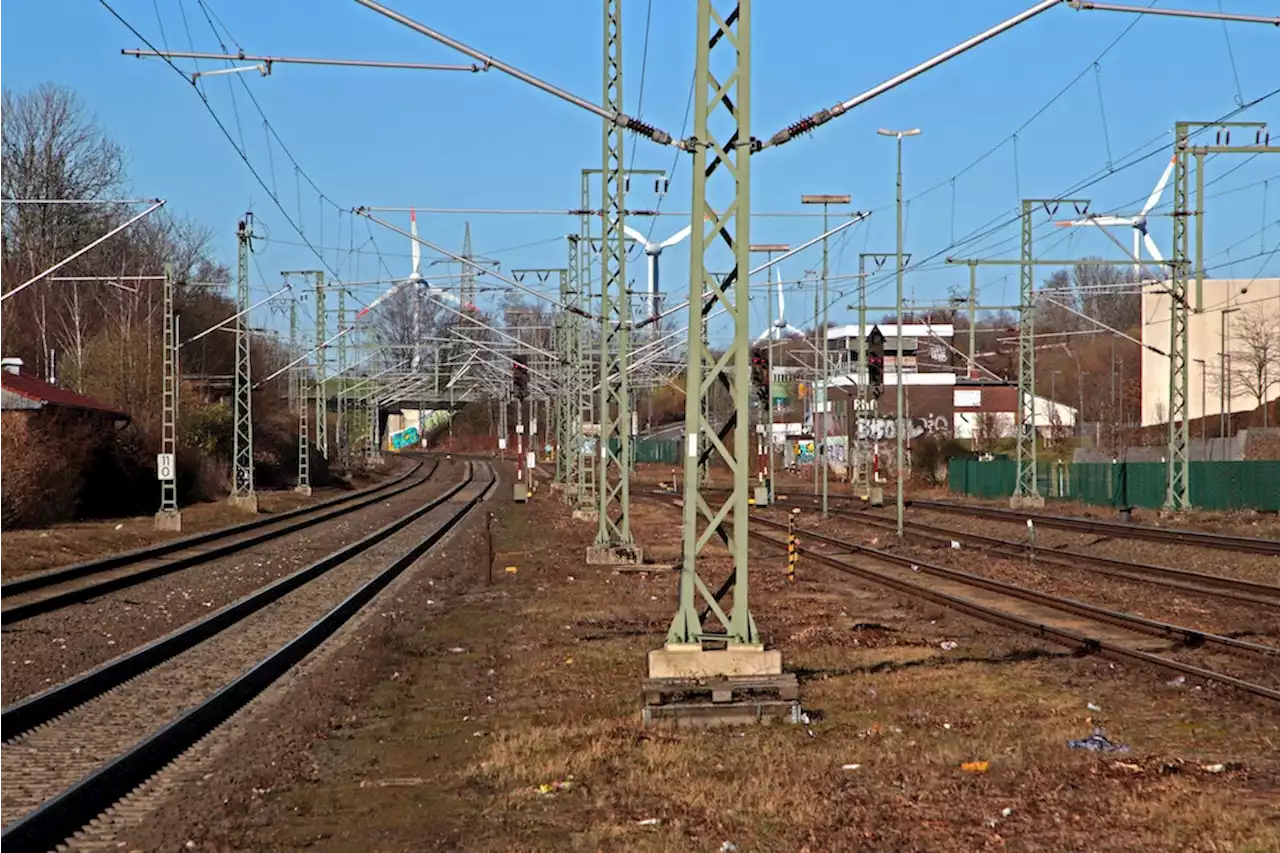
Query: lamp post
{"type": "Point", "coordinates": [769, 249]}
{"type": "Point", "coordinates": [1204, 370]}
{"type": "Point", "coordinates": [899, 427]}
{"type": "Point", "coordinates": [826, 200]}
{"type": "Point", "coordinates": [1224, 381]}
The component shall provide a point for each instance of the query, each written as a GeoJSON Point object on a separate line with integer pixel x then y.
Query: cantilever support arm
{"type": "Point", "coordinates": [823, 116]}
{"type": "Point", "coordinates": [620, 119]}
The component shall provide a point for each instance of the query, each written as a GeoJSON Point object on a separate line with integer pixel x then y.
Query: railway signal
{"type": "Point", "coordinates": [875, 362]}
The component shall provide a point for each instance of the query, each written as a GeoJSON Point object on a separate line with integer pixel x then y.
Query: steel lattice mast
{"type": "Point", "coordinates": [242, 493]}
{"type": "Point", "coordinates": [722, 163]}
{"type": "Point", "coordinates": [614, 542]}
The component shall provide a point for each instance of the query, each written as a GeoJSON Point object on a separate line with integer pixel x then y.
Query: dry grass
{"type": "Point", "coordinates": [547, 690]}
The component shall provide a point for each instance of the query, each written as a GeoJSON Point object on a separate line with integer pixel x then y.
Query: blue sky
{"type": "Point", "coordinates": [373, 137]}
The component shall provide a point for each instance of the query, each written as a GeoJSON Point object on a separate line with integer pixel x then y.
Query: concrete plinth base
{"type": "Point", "coordinates": [170, 521]}
{"type": "Point", "coordinates": [303, 490]}
{"type": "Point", "coordinates": [248, 503]}
{"type": "Point", "coordinates": [520, 493]}
{"type": "Point", "coordinates": [590, 515]}
{"type": "Point", "coordinates": [1026, 502]}
{"type": "Point", "coordinates": [876, 498]}
{"type": "Point", "coordinates": [614, 555]}
{"type": "Point", "coordinates": [762, 495]}
{"type": "Point", "coordinates": [676, 660]}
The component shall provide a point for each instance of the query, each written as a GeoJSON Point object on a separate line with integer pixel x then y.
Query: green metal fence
{"type": "Point", "coordinates": [1214, 485]}
{"type": "Point", "coordinates": [662, 451]}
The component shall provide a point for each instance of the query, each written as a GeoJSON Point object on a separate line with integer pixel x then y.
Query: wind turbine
{"type": "Point", "coordinates": [1138, 223]}
{"type": "Point", "coordinates": [654, 251]}
{"type": "Point", "coordinates": [778, 326]}
{"type": "Point", "coordinates": [415, 280]}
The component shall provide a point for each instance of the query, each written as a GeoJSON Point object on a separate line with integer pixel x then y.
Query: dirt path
{"type": "Point", "coordinates": [506, 717]}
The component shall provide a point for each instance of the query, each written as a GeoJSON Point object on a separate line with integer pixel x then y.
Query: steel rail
{"type": "Point", "coordinates": [1190, 636]}
{"type": "Point", "coordinates": [1238, 589]}
{"type": "Point", "coordinates": [1001, 617]}
{"type": "Point", "coordinates": [80, 594]}
{"type": "Point", "coordinates": [39, 709]}
{"type": "Point", "coordinates": [1199, 538]}
{"type": "Point", "coordinates": [58, 818]}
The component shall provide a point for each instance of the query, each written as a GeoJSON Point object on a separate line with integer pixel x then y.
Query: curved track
{"type": "Point", "coordinates": [51, 590]}
{"type": "Point", "coordinates": [78, 748]}
{"type": "Point", "coordinates": [1222, 586]}
{"type": "Point", "coordinates": [1005, 615]}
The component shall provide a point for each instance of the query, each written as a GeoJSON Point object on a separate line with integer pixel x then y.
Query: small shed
{"type": "Point", "coordinates": [27, 395]}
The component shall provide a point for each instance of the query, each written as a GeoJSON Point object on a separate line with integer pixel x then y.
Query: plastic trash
{"type": "Point", "coordinates": [976, 766]}
{"type": "Point", "coordinates": [1093, 707]}
{"type": "Point", "coordinates": [1096, 742]}
{"type": "Point", "coordinates": [649, 821]}
{"type": "Point", "coordinates": [1213, 768]}
{"type": "Point", "coordinates": [728, 847]}
{"type": "Point", "coordinates": [948, 645]}
{"type": "Point", "coordinates": [851, 767]}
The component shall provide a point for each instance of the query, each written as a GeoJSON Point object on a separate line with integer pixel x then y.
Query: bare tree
{"type": "Point", "coordinates": [1255, 358]}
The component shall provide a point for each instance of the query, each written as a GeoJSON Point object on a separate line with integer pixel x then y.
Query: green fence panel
{"type": "Point", "coordinates": [1213, 485]}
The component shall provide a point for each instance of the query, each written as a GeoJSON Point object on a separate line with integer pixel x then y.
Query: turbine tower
{"type": "Point", "coordinates": [1139, 223]}
{"type": "Point", "coordinates": [654, 251]}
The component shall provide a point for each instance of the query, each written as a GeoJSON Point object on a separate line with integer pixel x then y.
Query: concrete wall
{"type": "Point", "coordinates": [1204, 339]}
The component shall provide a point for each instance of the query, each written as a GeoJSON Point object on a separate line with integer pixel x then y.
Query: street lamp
{"type": "Point", "coordinates": [769, 249]}
{"type": "Point", "coordinates": [820, 318]}
{"type": "Point", "coordinates": [1224, 377]}
{"type": "Point", "coordinates": [899, 427]}
{"type": "Point", "coordinates": [1204, 370]}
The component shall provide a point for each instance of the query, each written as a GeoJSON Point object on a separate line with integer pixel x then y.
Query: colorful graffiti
{"type": "Point", "coordinates": [802, 451]}
{"type": "Point", "coordinates": [883, 428]}
{"type": "Point", "coordinates": [405, 438]}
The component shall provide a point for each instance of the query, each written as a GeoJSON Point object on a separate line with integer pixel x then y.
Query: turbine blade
{"type": "Point", "coordinates": [782, 302]}
{"type": "Point", "coordinates": [1154, 198]}
{"type": "Point", "coordinates": [635, 235]}
{"type": "Point", "coordinates": [1152, 250]}
{"type": "Point", "coordinates": [676, 237]}
{"type": "Point", "coordinates": [416, 246]}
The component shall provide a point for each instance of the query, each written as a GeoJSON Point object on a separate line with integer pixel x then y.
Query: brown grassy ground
{"type": "Point", "coordinates": [27, 551]}
{"type": "Point", "coordinates": [535, 682]}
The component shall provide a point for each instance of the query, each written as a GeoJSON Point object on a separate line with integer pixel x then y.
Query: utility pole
{"type": "Point", "coordinates": [866, 407]}
{"type": "Point", "coordinates": [169, 518]}
{"type": "Point", "coordinates": [293, 349]}
{"type": "Point", "coordinates": [826, 200]}
{"type": "Point", "coordinates": [721, 128]}
{"type": "Point", "coordinates": [899, 432]}
{"type": "Point", "coordinates": [341, 428]}
{"type": "Point", "coordinates": [1027, 491]}
{"type": "Point", "coordinates": [1178, 494]}
{"type": "Point", "coordinates": [768, 249]}
{"type": "Point", "coordinates": [242, 493]}
{"type": "Point", "coordinates": [614, 542]}
{"type": "Point", "coordinates": [304, 449]}
{"type": "Point", "coordinates": [322, 394]}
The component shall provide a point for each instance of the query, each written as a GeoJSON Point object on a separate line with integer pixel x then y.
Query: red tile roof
{"type": "Point", "coordinates": [52, 395]}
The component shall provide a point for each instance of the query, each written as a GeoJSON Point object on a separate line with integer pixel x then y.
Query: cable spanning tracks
{"type": "Point", "coordinates": [1185, 580]}
{"type": "Point", "coordinates": [75, 750]}
{"type": "Point", "coordinates": [55, 589]}
{"type": "Point", "coordinates": [852, 558]}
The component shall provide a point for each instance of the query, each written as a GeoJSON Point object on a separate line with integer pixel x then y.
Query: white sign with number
{"type": "Point", "coordinates": [165, 467]}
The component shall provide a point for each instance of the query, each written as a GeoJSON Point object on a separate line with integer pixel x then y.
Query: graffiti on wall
{"type": "Point", "coordinates": [405, 438]}
{"type": "Point", "coordinates": [802, 451]}
{"type": "Point", "coordinates": [883, 428]}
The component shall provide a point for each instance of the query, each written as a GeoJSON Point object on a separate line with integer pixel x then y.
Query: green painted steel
{"type": "Point", "coordinates": [1212, 485]}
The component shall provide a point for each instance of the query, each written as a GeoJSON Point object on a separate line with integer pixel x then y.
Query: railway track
{"type": "Point", "coordinates": [1119, 529]}
{"type": "Point", "coordinates": [1109, 631]}
{"type": "Point", "coordinates": [1177, 536]}
{"type": "Point", "coordinates": [1005, 600]}
{"type": "Point", "coordinates": [75, 750]}
{"type": "Point", "coordinates": [1185, 580]}
{"type": "Point", "coordinates": [44, 592]}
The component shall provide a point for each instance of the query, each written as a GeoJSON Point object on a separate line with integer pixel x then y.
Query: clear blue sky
{"type": "Point", "coordinates": [370, 137]}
